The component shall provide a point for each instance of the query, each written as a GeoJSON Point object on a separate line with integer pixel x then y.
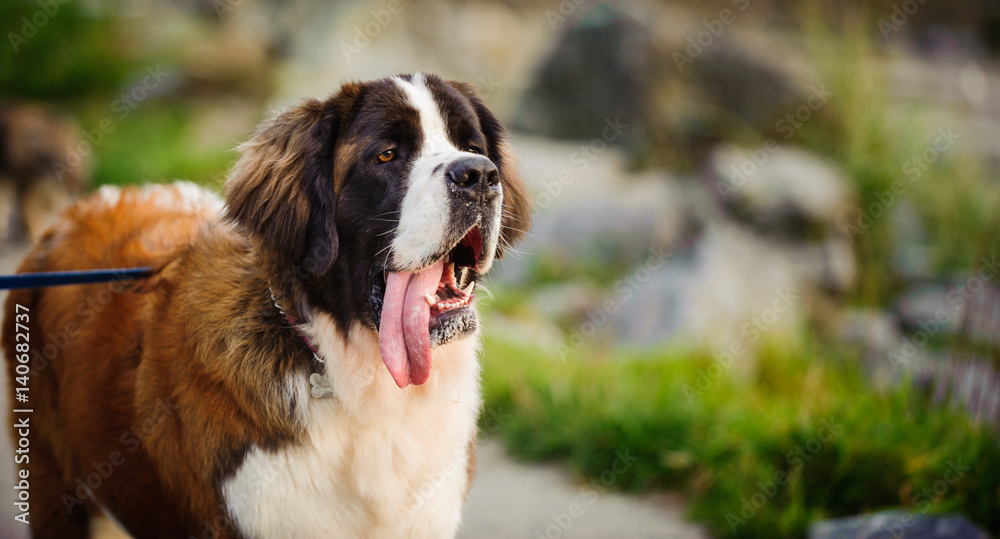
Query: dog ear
{"type": "Point", "coordinates": [516, 218]}
{"type": "Point", "coordinates": [281, 191]}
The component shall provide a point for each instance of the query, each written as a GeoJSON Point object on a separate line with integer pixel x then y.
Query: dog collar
{"type": "Point", "coordinates": [319, 385]}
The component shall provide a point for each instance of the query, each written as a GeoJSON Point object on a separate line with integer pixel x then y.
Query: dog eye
{"type": "Point", "coordinates": [386, 156]}
{"type": "Point", "coordinates": [473, 149]}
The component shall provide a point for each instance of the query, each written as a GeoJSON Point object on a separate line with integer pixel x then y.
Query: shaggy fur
{"type": "Point", "coordinates": [191, 388]}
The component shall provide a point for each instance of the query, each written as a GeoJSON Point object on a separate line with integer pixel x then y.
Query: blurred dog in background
{"type": "Point", "coordinates": [42, 168]}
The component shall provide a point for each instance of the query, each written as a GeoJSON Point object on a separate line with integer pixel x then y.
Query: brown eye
{"type": "Point", "coordinates": [386, 156]}
{"type": "Point", "coordinates": [474, 149]}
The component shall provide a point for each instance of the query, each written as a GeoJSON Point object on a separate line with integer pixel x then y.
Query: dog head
{"type": "Point", "coordinates": [394, 196]}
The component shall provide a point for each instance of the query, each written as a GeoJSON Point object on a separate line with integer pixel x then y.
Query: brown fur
{"type": "Point", "coordinates": [87, 380]}
{"type": "Point", "coordinates": [198, 345]}
{"type": "Point", "coordinates": [190, 362]}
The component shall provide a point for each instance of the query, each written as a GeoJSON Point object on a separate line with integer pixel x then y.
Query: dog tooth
{"type": "Point", "coordinates": [431, 300]}
{"type": "Point", "coordinates": [468, 290]}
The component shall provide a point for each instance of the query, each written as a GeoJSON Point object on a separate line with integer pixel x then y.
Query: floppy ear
{"type": "Point", "coordinates": [516, 217]}
{"type": "Point", "coordinates": [281, 191]}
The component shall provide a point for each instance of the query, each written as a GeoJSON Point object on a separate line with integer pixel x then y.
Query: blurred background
{"type": "Point", "coordinates": [761, 296]}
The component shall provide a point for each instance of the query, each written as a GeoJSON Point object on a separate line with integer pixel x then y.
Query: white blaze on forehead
{"type": "Point", "coordinates": [431, 122]}
{"type": "Point", "coordinates": [425, 212]}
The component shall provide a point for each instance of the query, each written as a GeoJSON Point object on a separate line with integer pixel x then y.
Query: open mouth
{"type": "Point", "coordinates": [454, 290]}
{"type": "Point", "coordinates": [428, 308]}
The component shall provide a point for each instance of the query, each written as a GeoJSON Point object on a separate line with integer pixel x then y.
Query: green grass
{"type": "Point", "coordinates": [76, 51]}
{"type": "Point", "coordinates": [81, 59]}
{"type": "Point", "coordinates": [721, 437]}
{"type": "Point", "coordinates": [154, 143]}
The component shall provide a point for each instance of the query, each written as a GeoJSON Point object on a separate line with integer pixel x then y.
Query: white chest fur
{"type": "Point", "coordinates": [376, 461]}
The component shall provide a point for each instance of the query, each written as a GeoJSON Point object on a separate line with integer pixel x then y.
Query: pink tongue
{"type": "Point", "coordinates": [404, 332]}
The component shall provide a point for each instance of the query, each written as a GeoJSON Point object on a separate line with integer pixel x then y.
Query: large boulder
{"type": "Point", "coordinates": [683, 81]}
{"type": "Point", "coordinates": [597, 71]}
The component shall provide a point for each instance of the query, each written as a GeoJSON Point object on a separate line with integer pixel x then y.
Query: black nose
{"type": "Point", "coordinates": [469, 172]}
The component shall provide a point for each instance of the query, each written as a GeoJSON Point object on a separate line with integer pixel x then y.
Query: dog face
{"type": "Point", "coordinates": [394, 196]}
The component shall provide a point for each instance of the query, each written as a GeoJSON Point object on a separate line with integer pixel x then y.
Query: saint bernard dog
{"type": "Point", "coordinates": [303, 360]}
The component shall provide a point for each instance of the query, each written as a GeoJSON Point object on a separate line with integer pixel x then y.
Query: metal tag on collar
{"type": "Point", "coordinates": [320, 388]}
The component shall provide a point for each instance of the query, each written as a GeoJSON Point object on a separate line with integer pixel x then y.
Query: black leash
{"type": "Point", "coordinates": [57, 278]}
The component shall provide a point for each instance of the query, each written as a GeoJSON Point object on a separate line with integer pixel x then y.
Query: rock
{"type": "Point", "coordinates": [745, 84]}
{"type": "Point", "coordinates": [684, 267]}
{"type": "Point", "coordinates": [788, 195]}
{"type": "Point", "coordinates": [780, 190]}
{"type": "Point", "coordinates": [927, 304]}
{"type": "Point", "coordinates": [765, 247]}
{"type": "Point", "coordinates": [728, 286]}
{"type": "Point", "coordinates": [897, 524]}
{"type": "Point", "coordinates": [593, 220]}
{"type": "Point", "coordinates": [877, 334]}
{"type": "Point", "coordinates": [911, 254]}
{"type": "Point", "coordinates": [708, 86]}
{"type": "Point", "coordinates": [610, 51]}
{"type": "Point", "coordinates": [969, 307]}
{"type": "Point", "coordinates": [888, 356]}
{"type": "Point", "coordinates": [629, 58]}
{"type": "Point", "coordinates": [595, 239]}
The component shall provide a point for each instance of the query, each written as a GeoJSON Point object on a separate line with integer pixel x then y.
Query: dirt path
{"type": "Point", "coordinates": [512, 500]}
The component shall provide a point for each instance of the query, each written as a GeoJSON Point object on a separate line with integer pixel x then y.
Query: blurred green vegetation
{"type": "Point", "coordinates": [73, 54]}
{"type": "Point", "coordinates": [155, 143]}
{"type": "Point", "coordinates": [83, 60]}
{"type": "Point", "coordinates": [878, 142]}
{"type": "Point", "coordinates": [721, 437]}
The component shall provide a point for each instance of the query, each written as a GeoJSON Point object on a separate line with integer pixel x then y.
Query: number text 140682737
{"type": "Point", "coordinates": [22, 409]}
